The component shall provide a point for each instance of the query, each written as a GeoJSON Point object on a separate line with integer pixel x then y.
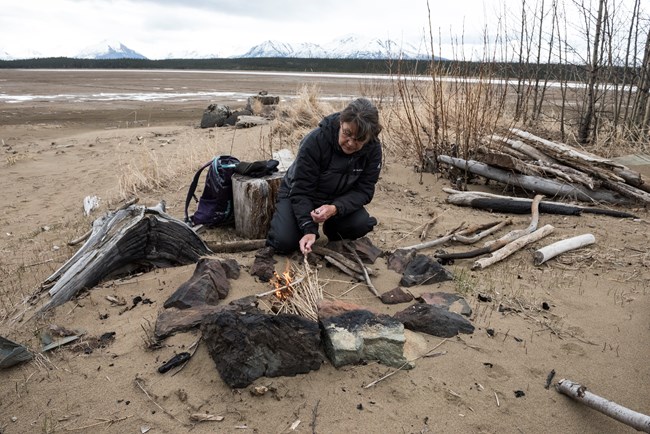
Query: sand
{"type": "Point", "coordinates": [595, 332]}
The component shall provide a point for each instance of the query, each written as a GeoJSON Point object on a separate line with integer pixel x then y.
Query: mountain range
{"type": "Point", "coordinates": [347, 47]}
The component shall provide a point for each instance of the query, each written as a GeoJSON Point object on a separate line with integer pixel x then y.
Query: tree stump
{"type": "Point", "coordinates": [254, 202]}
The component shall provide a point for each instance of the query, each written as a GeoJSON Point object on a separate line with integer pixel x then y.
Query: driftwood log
{"type": "Point", "coordinates": [235, 246]}
{"type": "Point", "coordinates": [636, 420]}
{"type": "Point", "coordinates": [492, 246]}
{"type": "Point", "coordinates": [523, 148]}
{"type": "Point", "coordinates": [536, 184]}
{"type": "Point", "coordinates": [552, 250]}
{"type": "Point", "coordinates": [481, 231]}
{"type": "Point", "coordinates": [122, 241]}
{"type": "Point", "coordinates": [512, 247]}
{"type": "Point", "coordinates": [515, 205]}
{"type": "Point", "coordinates": [617, 175]}
{"type": "Point", "coordinates": [254, 203]}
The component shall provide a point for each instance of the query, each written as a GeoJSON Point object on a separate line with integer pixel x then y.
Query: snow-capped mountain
{"type": "Point", "coordinates": [270, 49]}
{"type": "Point", "coordinates": [109, 50]}
{"type": "Point", "coordinates": [347, 47]}
{"type": "Point", "coordinates": [7, 55]}
{"type": "Point", "coordinates": [4, 55]}
{"type": "Point", "coordinates": [191, 55]}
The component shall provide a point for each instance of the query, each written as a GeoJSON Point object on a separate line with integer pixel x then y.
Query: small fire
{"type": "Point", "coordinates": [283, 283]}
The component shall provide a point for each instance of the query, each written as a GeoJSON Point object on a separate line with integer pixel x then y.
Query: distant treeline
{"type": "Point", "coordinates": [560, 72]}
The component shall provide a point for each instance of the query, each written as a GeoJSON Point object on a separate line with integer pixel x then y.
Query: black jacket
{"type": "Point", "coordinates": [323, 174]}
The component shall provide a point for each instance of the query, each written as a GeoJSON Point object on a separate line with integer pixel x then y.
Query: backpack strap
{"type": "Point", "coordinates": [192, 189]}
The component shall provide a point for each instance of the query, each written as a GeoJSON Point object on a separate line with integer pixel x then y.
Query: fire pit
{"type": "Point", "coordinates": [295, 291]}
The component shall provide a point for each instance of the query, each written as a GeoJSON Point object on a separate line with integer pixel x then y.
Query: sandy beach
{"type": "Point", "coordinates": [72, 134]}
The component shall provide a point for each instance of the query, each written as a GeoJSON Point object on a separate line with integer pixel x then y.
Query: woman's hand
{"type": "Point", "coordinates": [323, 212]}
{"type": "Point", "coordinates": [306, 242]}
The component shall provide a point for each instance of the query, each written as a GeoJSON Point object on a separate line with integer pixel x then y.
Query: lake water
{"type": "Point", "coordinates": [93, 85]}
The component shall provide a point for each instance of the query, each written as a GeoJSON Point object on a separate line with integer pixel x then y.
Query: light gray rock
{"type": "Point", "coordinates": [360, 335]}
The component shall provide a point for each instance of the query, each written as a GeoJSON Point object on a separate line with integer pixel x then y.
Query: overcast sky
{"type": "Point", "coordinates": [158, 28]}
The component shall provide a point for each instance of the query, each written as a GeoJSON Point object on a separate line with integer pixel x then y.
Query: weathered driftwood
{"type": "Point", "coordinates": [579, 165]}
{"type": "Point", "coordinates": [616, 174]}
{"type": "Point", "coordinates": [235, 246]}
{"type": "Point", "coordinates": [463, 239]}
{"type": "Point", "coordinates": [344, 268]}
{"type": "Point", "coordinates": [492, 246]}
{"type": "Point", "coordinates": [512, 247]}
{"type": "Point", "coordinates": [633, 178]}
{"type": "Point", "coordinates": [120, 241]}
{"type": "Point", "coordinates": [509, 162]}
{"type": "Point", "coordinates": [522, 147]}
{"type": "Point", "coordinates": [366, 278]}
{"type": "Point", "coordinates": [514, 205]}
{"type": "Point", "coordinates": [533, 183]}
{"type": "Point", "coordinates": [552, 250]}
{"type": "Point", "coordinates": [629, 191]}
{"type": "Point", "coordinates": [425, 230]}
{"type": "Point", "coordinates": [569, 173]}
{"type": "Point", "coordinates": [254, 203]}
{"type": "Point", "coordinates": [324, 251]}
{"type": "Point", "coordinates": [564, 151]}
{"type": "Point", "coordinates": [636, 420]}
{"type": "Point", "coordinates": [450, 236]}
{"type": "Point", "coordinates": [85, 236]}
{"type": "Point", "coordinates": [518, 233]}
{"type": "Point", "coordinates": [536, 168]}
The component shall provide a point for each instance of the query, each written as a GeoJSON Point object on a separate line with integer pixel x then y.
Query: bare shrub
{"type": "Point", "coordinates": [444, 114]}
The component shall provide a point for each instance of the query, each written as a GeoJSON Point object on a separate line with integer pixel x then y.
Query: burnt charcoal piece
{"type": "Point", "coordinates": [174, 361]}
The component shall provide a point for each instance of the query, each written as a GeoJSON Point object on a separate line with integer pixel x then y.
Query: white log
{"type": "Point", "coordinates": [636, 420]}
{"type": "Point", "coordinates": [552, 250]}
{"type": "Point", "coordinates": [512, 247]}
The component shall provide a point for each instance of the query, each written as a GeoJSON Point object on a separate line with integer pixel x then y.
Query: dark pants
{"type": "Point", "coordinates": [284, 234]}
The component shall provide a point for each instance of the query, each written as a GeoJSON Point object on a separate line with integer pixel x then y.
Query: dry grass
{"type": "Point", "coordinates": [151, 169]}
{"type": "Point", "coordinates": [296, 117]}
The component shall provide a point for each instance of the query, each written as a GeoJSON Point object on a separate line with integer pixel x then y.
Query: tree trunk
{"type": "Point", "coordinates": [254, 202]}
{"type": "Point", "coordinates": [588, 114]}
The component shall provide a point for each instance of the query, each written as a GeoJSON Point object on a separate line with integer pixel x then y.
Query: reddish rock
{"type": "Point", "coordinates": [396, 296]}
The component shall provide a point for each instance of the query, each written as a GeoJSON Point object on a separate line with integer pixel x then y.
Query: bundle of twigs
{"type": "Point", "coordinates": [303, 295]}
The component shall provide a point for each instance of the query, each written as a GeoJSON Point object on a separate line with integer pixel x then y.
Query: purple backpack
{"type": "Point", "coordinates": [215, 205]}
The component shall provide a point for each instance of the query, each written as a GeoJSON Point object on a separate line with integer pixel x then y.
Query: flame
{"type": "Point", "coordinates": [283, 283]}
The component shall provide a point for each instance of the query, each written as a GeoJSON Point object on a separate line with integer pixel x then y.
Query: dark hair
{"type": "Point", "coordinates": [365, 115]}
